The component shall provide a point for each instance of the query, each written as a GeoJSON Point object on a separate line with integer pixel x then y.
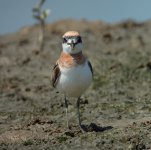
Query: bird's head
{"type": "Point", "coordinates": [72, 42]}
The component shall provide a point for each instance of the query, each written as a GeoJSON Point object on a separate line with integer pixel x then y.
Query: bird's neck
{"type": "Point", "coordinates": [76, 54]}
{"type": "Point", "coordinates": [69, 60]}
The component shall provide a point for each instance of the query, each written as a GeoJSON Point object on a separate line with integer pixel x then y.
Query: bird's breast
{"type": "Point", "coordinates": [75, 80]}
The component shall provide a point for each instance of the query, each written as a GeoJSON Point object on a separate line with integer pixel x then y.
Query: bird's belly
{"type": "Point", "coordinates": [74, 81]}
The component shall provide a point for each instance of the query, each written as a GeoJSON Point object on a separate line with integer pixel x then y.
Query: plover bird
{"type": "Point", "coordinates": [72, 73]}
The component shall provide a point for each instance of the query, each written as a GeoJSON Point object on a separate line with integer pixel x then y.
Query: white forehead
{"type": "Point", "coordinates": [72, 40]}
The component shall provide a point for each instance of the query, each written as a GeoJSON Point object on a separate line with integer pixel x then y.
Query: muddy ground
{"type": "Point", "coordinates": [117, 106]}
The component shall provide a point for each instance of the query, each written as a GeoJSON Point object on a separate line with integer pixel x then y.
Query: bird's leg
{"type": "Point", "coordinates": [66, 107]}
{"type": "Point", "coordinates": [78, 113]}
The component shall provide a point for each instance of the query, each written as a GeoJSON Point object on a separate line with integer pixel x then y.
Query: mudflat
{"type": "Point", "coordinates": [116, 109]}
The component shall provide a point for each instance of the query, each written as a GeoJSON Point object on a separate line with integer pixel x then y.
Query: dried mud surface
{"type": "Point", "coordinates": [116, 107]}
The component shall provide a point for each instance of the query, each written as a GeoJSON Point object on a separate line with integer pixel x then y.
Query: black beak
{"type": "Point", "coordinates": [72, 44]}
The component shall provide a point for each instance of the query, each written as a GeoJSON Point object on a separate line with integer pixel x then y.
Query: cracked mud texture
{"type": "Point", "coordinates": [116, 108]}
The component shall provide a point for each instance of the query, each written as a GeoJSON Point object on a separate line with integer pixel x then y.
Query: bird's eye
{"type": "Point", "coordinates": [64, 40]}
{"type": "Point", "coordinates": [79, 40]}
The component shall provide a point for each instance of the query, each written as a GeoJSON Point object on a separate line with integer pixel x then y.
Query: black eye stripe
{"type": "Point", "coordinates": [64, 40]}
{"type": "Point", "coordinates": [78, 39]}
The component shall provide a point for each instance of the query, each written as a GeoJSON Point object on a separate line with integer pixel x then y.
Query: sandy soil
{"type": "Point", "coordinates": [116, 107]}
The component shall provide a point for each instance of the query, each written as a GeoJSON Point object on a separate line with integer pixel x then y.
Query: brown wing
{"type": "Point", "coordinates": [55, 75]}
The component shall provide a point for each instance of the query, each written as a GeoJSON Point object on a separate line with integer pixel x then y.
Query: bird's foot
{"type": "Point", "coordinates": [83, 128]}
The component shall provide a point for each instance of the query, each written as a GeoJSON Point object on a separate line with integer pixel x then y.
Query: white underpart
{"type": "Point", "coordinates": [75, 80]}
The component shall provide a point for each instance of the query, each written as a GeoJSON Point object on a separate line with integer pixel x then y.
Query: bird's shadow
{"type": "Point", "coordinates": [92, 127]}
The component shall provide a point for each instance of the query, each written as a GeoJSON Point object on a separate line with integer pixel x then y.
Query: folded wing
{"type": "Point", "coordinates": [55, 75]}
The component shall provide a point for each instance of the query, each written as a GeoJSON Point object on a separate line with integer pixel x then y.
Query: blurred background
{"type": "Point", "coordinates": [16, 13]}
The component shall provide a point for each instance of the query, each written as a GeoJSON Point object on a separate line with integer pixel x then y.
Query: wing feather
{"type": "Point", "coordinates": [55, 75]}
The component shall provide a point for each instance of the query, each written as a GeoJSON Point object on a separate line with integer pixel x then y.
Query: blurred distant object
{"type": "Point", "coordinates": [41, 16]}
